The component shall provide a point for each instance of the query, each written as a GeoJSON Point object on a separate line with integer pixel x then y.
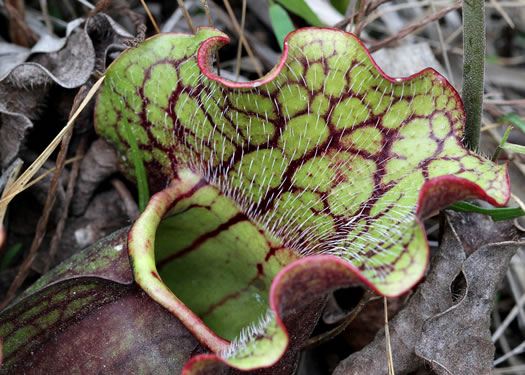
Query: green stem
{"type": "Point", "coordinates": [501, 144]}
{"type": "Point", "coordinates": [140, 171]}
{"type": "Point", "coordinates": [473, 68]}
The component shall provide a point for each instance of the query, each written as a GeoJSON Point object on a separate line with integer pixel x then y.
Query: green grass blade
{"type": "Point", "coordinates": [514, 147]}
{"type": "Point", "coordinates": [340, 5]}
{"type": "Point", "coordinates": [300, 8]}
{"type": "Point", "coordinates": [9, 256]}
{"type": "Point", "coordinates": [140, 171]}
{"type": "Point", "coordinates": [281, 23]}
{"type": "Point", "coordinates": [497, 214]}
{"type": "Point", "coordinates": [501, 144]}
{"type": "Point", "coordinates": [513, 119]}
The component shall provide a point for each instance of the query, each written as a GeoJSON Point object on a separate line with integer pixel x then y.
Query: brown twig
{"type": "Point", "coordinates": [506, 101]}
{"type": "Point", "coordinates": [150, 16]}
{"type": "Point", "coordinates": [23, 180]}
{"type": "Point", "coordinates": [243, 39]}
{"type": "Point", "coordinates": [239, 48]}
{"type": "Point", "coordinates": [350, 18]}
{"type": "Point", "coordinates": [57, 236]}
{"type": "Point", "coordinates": [186, 16]}
{"type": "Point", "coordinates": [444, 50]}
{"type": "Point", "coordinates": [326, 336]}
{"type": "Point", "coordinates": [376, 4]}
{"type": "Point", "coordinates": [360, 15]}
{"type": "Point", "coordinates": [130, 206]}
{"type": "Point", "coordinates": [40, 232]}
{"type": "Point", "coordinates": [411, 28]}
{"type": "Point", "coordinates": [19, 31]}
{"type": "Point", "coordinates": [390, 363]}
{"type": "Point", "coordinates": [5, 198]}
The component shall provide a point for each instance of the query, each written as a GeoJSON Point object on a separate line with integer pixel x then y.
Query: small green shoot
{"type": "Point", "coordinates": [281, 23]}
{"type": "Point", "coordinates": [500, 147]}
{"type": "Point", "coordinates": [514, 148]}
{"type": "Point", "coordinates": [513, 119]}
{"type": "Point", "coordinates": [9, 256]}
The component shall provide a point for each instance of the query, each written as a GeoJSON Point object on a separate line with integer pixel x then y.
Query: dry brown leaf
{"type": "Point", "coordinates": [448, 329]}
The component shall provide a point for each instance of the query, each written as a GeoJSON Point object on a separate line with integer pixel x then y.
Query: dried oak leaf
{"type": "Point", "coordinates": [27, 75]}
{"type": "Point", "coordinates": [435, 327]}
{"type": "Point", "coordinates": [457, 341]}
{"type": "Point", "coordinates": [98, 164]}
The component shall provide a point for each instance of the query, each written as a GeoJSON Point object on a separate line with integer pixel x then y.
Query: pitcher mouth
{"type": "Point", "coordinates": [197, 255]}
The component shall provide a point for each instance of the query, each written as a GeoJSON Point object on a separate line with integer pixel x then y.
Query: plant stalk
{"type": "Point", "coordinates": [473, 68]}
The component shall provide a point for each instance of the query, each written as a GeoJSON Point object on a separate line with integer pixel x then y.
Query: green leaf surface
{"type": "Point", "coordinates": [340, 5]}
{"type": "Point", "coordinates": [514, 119]}
{"type": "Point", "coordinates": [281, 23]}
{"type": "Point", "coordinates": [300, 8]}
{"type": "Point", "coordinates": [325, 155]}
{"type": "Point", "coordinates": [514, 147]}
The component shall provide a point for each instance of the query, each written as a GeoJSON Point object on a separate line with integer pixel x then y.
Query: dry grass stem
{"type": "Point", "coordinates": [508, 319]}
{"type": "Point", "coordinates": [503, 13]}
{"type": "Point", "coordinates": [349, 19]}
{"type": "Point", "coordinates": [387, 341]}
{"type": "Point", "coordinates": [41, 226]}
{"type": "Point", "coordinates": [150, 16]}
{"type": "Point", "coordinates": [519, 102]}
{"type": "Point", "coordinates": [241, 36]}
{"type": "Point", "coordinates": [359, 18]}
{"type": "Point", "coordinates": [10, 181]}
{"type": "Point", "coordinates": [518, 201]}
{"type": "Point", "coordinates": [454, 35]}
{"type": "Point", "coordinates": [374, 13]}
{"type": "Point", "coordinates": [186, 16]}
{"type": "Point", "coordinates": [243, 39]}
{"type": "Point", "coordinates": [45, 14]}
{"type": "Point", "coordinates": [19, 185]}
{"type": "Point", "coordinates": [57, 236]}
{"type": "Point", "coordinates": [491, 126]}
{"type": "Point", "coordinates": [39, 178]}
{"type": "Point", "coordinates": [326, 336]}
{"type": "Point", "coordinates": [130, 206]}
{"type": "Point", "coordinates": [444, 49]}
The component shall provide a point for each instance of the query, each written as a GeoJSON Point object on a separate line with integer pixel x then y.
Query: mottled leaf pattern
{"type": "Point", "coordinates": [325, 153]}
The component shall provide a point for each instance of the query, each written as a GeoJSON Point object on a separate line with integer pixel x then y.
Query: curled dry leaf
{"type": "Point", "coordinates": [98, 164]}
{"type": "Point", "coordinates": [437, 328]}
{"type": "Point", "coordinates": [26, 76]}
{"type": "Point", "coordinates": [458, 340]}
